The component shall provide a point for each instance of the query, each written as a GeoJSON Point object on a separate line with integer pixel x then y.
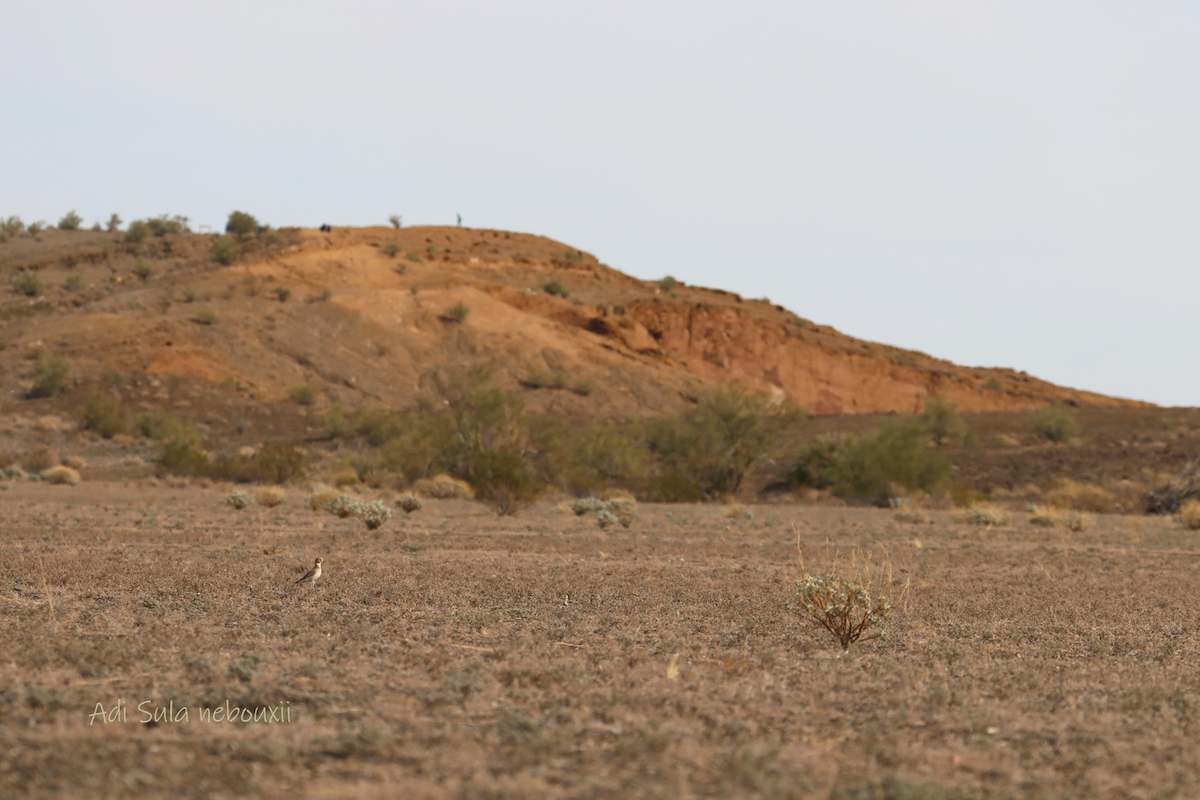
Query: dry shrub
{"type": "Point", "coordinates": [444, 487]}
{"type": "Point", "coordinates": [1045, 519]}
{"type": "Point", "coordinates": [321, 497]}
{"type": "Point", "coordinates": [1189, 515]}
{"type": "Point", "coordinates": [270, 496]}
{"type": "Point", "coordinates": [75, 462]}
{"type": "Point", "coordinates": [910, 515]}
{"type": "Point", "coordinates": [849, 607]}
{"type": "Point", "coordinates": [1076, 522]}
{"type": "Point", "coordinates": [343, 479]}
{"type": "Point", "coordinates": [1084, 497]}
{"type": "Point", "coordinates": [738, 511]}
{"type": "Point", "coordinates": [132, 461]}
{"type": "Point", "coordinates": [48, 424]}
{"type": "Point", "coordinates": [61, 475]}
{"type": "Point", "coordinates": [40, 459]}
{"type": "Point", "coordinates": [986, 515]}
{"type": "Point", "coordinates": [408, 503]}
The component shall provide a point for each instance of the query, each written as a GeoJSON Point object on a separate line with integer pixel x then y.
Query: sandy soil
{"type": "Point", "coordinates": [456, 654]}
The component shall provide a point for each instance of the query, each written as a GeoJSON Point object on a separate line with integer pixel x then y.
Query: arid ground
{"type": "Point", "coordinates": [454, 653]}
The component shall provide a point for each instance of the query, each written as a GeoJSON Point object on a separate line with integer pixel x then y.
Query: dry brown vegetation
{"type": "Point", "coordinates": [460, 654]}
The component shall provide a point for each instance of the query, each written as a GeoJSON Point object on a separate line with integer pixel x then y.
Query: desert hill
{"type": "Point", "coordinates": [360, 315]}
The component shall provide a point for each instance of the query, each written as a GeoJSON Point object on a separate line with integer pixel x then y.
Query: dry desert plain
{"type": "Point", "coordinates": [454, 653]}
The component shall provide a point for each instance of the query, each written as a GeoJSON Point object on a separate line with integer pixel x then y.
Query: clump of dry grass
{"type": "Point", "coordinates": [75, 462]}
{"type": "Point", "coordinates": [986, 515]}
{"type": "Point", "coordinates": [845, 606]}
{"type": "Point", "coordinates": [1076, 522]}
{"type": "Point", "coordinates": [40, 459]}
{"type": "Point", "coordinates": [1189, 515]}
{"type": "Point", "coordinates": [1071, 520]}
{"type": "Point", "coordinates": [910, 515]}
{"type": "Point", "coordinates": [444, 487]}
{"type": "Point", "coordinates": [1083, 497]}
{"type": "Point", "coordinates": [738, 511]}
{"type": "Point", "coordinates": [61, 475]}
{"type": "Point", "coordinates": [238, 500]}
{"type": "Point", "coordinates": [270, 496]}
{"type": "Point", "coordinates": [321, 496]}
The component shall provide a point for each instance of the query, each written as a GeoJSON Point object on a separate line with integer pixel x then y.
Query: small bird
{"type": "Point", "coordinates": [314, 573]}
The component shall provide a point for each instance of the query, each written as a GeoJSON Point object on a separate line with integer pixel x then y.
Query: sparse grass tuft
{"type": "Point", "coordinates": [205, 316]}
{"type": "Point", "coordinates": [555, 288]}
{"type": "Point", "coordinates": [986, 515]}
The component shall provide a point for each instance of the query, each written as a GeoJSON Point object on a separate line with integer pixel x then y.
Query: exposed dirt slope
{"type": "Point", "coordinates": [363, 326]}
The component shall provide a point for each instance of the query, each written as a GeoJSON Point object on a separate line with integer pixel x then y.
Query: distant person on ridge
{"type": "Point", "coordinates": [459, 220]}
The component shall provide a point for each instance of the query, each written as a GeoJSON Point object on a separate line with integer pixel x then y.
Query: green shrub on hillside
{"type": "Point", "coordinates": [225, 249]}
{"type": "Point", "coordinates": [164, 224]}
{"type": "Point", "coordinates": [137, 231]}
{"type": "Point", "coordinates": [241, 224]}
{"type": "Point", "coordinates": [28, 284]}
{"type": "Point", "coordinates": [50, 376]}
{"type": "Point", "coordinates": [716, 442]}
{"type": "Point", "coordinates": [303, 395]}
{"type": "Point", "coordinates": [553, 287]}
{"type": "Point", "coordinates": [70, 221]}
{"type": "Point", "coordinates": [941, 420]}
{"type": "Point", "coordinates": [456, 313]}
{"type": "Point", "coordinates": [160, 425]}
{"type": "Point", "coordinates": [10, 226]}
{"type": "Point", "coordinates": [105, 414]}
{"type": "Point", "coordinates": [114, 223]}
{"type": "Point", "coordinates": [897, 453]}
{"type": "Point", "coordinates": [816, 465]}
{"type": "Point", "coordinates": [390, 249]}
{"type": "Point", "coordinates": [1055, 423]}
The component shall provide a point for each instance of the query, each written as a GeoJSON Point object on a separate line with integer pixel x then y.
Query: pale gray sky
{"type": "Point", "coordinates": [997, 183]}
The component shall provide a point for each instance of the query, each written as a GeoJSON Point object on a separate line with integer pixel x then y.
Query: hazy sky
{"type": "Point", "coordinates": [996, 183]}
